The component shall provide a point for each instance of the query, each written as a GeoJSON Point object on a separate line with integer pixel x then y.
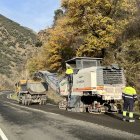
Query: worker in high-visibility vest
{"type": "Point", "coordinates": [69, 74]}
{"type": "Point", "coordinates": [129, 96]}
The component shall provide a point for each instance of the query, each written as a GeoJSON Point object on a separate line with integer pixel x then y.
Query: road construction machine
{"type": "Point", "coordinates": [94, 88]}
{"type": "Point", "coordinates": [29, 91]}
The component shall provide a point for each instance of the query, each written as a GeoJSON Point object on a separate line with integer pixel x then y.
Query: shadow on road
{"type": "Point", "coordinates": [114, 116]}
{"type": "Point", "coordinates": [119, 116]}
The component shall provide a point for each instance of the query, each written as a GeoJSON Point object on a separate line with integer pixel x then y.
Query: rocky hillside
{"type": "Point", "coordinates": [16, 45]}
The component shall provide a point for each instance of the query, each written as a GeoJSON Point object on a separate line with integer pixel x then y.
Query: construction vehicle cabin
{"type": "Point", "coordinates": [95, 88]}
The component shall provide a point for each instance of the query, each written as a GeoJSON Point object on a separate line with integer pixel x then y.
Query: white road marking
{"type": "Point", "coordinates": [2, 135]}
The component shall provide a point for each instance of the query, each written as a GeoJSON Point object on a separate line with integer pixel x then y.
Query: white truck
{"type": "Point", "coordinates": [95, 88]}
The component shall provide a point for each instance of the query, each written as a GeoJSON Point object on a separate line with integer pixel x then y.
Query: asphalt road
{"type": "Point", "coordinates": [47, 122]}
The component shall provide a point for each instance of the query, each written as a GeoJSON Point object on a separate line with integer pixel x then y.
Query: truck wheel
{"type": "Point", "coordinates": [22, 101]}
{"type": "Point", "coordinates": [40, 103]}
{"type": "Point", "coordinates": [26, 102]}
{"type": "Point", "coordinates": [45, 102]}
{"type": "Point", "coordinates": [119, 107]}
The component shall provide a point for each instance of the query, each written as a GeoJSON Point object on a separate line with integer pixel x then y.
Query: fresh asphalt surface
{"type": "Point", "coordinates": [47, 122]}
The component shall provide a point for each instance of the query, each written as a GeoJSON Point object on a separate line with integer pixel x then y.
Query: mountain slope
{"type": "Point", "coordinates": [16, 44]}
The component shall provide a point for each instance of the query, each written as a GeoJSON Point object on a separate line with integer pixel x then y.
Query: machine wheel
{"type": "Point", "coordinates": [63, 105]}
{"type": "Point", "coordinates": [95, 110]}
{"type": "Point", "coordinates": [119, 107]}
{"type": "Point", "coordinates": [90, 109]}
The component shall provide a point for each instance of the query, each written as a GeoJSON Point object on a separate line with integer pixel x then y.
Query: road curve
{"type": "Point", "coordinates": [49, 123]}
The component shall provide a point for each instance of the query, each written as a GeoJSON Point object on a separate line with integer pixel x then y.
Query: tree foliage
{"type": "Point", "coordinates": [58, 48]}
{"type": "Point", "coordinates": [99, 22]}
{"type": "Point", "coordinates": [128, 56]}
{"type": "Point", "coordinates": [38, 62]}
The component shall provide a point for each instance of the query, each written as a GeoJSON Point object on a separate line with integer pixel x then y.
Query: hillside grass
{"type": "Point", "coordinates": [16, 42]}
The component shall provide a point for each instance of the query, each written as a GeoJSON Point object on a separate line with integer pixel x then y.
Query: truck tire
{"type": "Point", "coordinates": [44, 102]}
{"type": "Point", "coordinates": [28, 103]}
{"type": "Point", "coordinates": [19, 102]}
{"type": "Point", "coordinates": [25, 102]}
{"type": "Point", "coordinates": [22, 101]}
{"type": "Point", "coordinates": [40, 103]}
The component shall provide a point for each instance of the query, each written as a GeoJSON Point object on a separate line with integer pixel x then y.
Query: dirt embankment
{"type": "Point", "coordinates": [53, 97]}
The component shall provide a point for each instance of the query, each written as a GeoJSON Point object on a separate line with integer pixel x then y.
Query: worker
{"type": "Point", "coordinates": [69, 74]}
{"type": "Point", "coordinates": [129, 96]}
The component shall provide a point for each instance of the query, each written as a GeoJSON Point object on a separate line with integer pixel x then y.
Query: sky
{"type": "Point", "coordinates": [34, 14]}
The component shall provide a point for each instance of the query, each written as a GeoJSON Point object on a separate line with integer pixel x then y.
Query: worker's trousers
{"type": "Point", "coordinates": [128, 106]}
{"type": "Point", "coordinates": [70, 78]}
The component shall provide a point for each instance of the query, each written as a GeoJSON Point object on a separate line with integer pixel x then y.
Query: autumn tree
{"type": "Point", "coordinates": [128, 56]}
{"type": "Point", "coordinates": [98, 22]}
{"type": "Point", "coordinates": [38, 62]}
{"type": "Point", "coordinates": [59, 44]}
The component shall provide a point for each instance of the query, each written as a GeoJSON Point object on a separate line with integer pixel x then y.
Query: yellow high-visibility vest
{"type": "Point", "coordinates": [129, 91]}
{"type": "Point", "coordinates": [69, 71]}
